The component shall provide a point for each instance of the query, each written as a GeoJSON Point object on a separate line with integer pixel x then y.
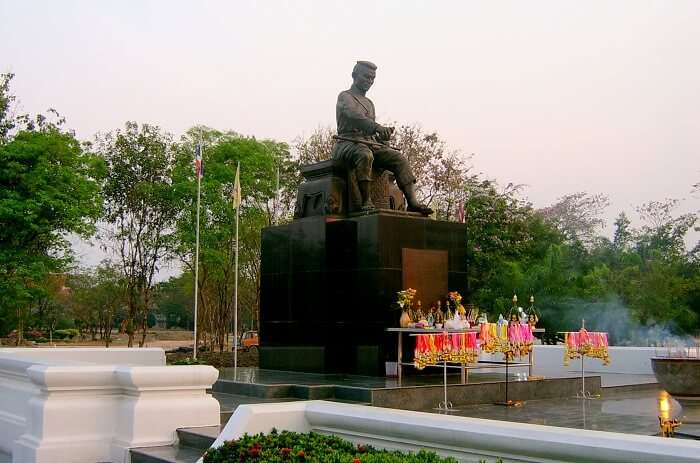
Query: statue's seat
{"type": "Point", "coordinates": [331, 189]}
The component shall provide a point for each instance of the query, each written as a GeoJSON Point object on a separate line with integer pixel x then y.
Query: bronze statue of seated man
{"type": "Point", "coordinates": [362, 143]}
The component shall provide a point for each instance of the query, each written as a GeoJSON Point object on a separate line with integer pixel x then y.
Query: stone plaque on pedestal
{"type": "Point", "coordinates": [425, 270]}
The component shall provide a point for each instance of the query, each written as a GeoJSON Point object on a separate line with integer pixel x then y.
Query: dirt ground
{"type": "Point", "coordinates": [218, 359]}
{"type": "Point", "coordinates": [169, 340]}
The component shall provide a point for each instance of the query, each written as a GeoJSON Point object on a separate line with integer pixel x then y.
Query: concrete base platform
{"type": "Point", "coordinates": [418, 394]}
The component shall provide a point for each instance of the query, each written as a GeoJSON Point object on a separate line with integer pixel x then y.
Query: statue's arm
{"type": "Point", "coordinates": [351, 110]}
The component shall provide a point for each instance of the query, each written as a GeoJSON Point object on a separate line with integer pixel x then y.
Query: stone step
{"type": "Point", "coordinates": [293, 391]}
{"type": "Point", "coordinates": [198, 438]}
{"type": "Point", "coordinates": [225, 416]}
{"type": "Point", "coordinates": [193, 442]}
{"type": "Point", "coordinates": [275, 391]}
{"type": "Point", "coordinates": [166, 454]}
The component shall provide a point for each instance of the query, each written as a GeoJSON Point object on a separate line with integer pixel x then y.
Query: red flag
{"type": "Point", "coordinates": [198, 165]}
{"type": "Point", "coordinates": [460, 213]}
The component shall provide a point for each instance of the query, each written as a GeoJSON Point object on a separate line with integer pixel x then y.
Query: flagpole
{"type": "Point", "coordinates": [235, 281]}
{"type": "Point", "coordinates": [196, 250]}
{"type": "Point", "coordinates": [277, 195]}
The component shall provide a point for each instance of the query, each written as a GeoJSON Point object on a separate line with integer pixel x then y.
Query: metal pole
{"type": "Point", "coordinates": [235, 291]}
{"type": "Point", "coordinates": [506, 401]}
{"type": "Point", "coordinates": [277, 195]}
{"type": "Point", "coordinates": [399, 358]}
{"type": "Point", "coordinates": [444, 380]}
{"type": "Point", "coordinates": [196, 254]}
{"type": "Point", "coordinates": [583, 374]}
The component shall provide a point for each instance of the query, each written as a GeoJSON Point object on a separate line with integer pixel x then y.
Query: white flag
{"type": "Point", "coordinates": [237, 187]}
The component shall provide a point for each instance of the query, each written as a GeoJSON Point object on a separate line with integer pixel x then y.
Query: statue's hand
{"type": "Point", "coordinates": [384, 133]}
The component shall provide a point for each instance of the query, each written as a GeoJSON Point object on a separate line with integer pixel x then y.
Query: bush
{"type": "Point", "coordinates": [64, 323]}
{"type": "Point", "coordinates": [189, 361]}
{"type": "Point", "coordinates": [68, 333]}
{"type": "Point", "coordinates": [288, 446]}
{"type": "Point", "coordinates": [33, 334]}
{"type": "Point", "coordinates": [41, 339]}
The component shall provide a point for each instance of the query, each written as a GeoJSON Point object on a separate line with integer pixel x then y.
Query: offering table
{"type": "Point", "coordinates": [462, 366]}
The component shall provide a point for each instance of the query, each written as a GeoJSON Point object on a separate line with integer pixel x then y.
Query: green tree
{"type": "Point", "coordinates": [506, 238]}
{"type": "Point", "coordinates": [48, 188]}
{"type": "Point", "coordinates": [440, 172]}
{"type": "Point", "coordinates": [578, 216]}
{"type": "Point", "coordinates": [623, 235]}
{"type": "Point", "coordinates": [662, 234]}
{"type": "Point", "coordinates": [7, 123]}
{"type": "Point", "coordinates": [95, 298]}
{"type": "Point", "coordinates": [174, 299]}
{"type": "Point", "coordinates": [109, 296]}
{"type": "Point", "coordinates": [140, 209]}
{"type": "Point", "coordinates": [316, 147]}
{"type": "Point", "coordinates": [259, 162]}
{"type": "Point", "coordinates": [51, 308]}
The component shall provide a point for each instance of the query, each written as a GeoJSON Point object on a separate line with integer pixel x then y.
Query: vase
{"type": "Point", "coordinates": [404, 320]}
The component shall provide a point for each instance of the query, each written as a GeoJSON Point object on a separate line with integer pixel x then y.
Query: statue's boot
{"type": "Point", "coordinates": [413, 205]}
{"type": "Point", "coordinates": [367, 204]}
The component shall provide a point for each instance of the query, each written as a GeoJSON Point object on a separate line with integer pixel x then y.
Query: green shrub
{"type": "Point", "coordinates": [189, 361]}
{"type": "Point", "coordinates": [285, 446]}
{"type": "Point", "coordinates": [64, 323]}
{"type": "Point", "coordinates": [68, 333]}
{"type": "Point", "coordinates": [41, 339]}
{"type": "Point", "coordinates": [33, 334]}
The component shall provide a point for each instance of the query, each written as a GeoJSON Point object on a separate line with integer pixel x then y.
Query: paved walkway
{"type": "Point", "coordinates": [630, 412]}
{"type": "Point", "coordinates": [230, 402]}
{"type": "Point", "coordinates": [261, 376]}
{"type": "Point", "coordinates": [629, 403]}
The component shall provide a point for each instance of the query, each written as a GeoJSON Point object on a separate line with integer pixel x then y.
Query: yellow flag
{"type": "Point", "coordinates": [237, 187]}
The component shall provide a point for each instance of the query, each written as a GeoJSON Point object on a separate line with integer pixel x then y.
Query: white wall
{"type": "Point", "coordinates": [95, 355]}
{"type": "Point", "coordinates": [549, 361]}
{"type": "Point", "coordinates": [624, 360]}
{"type": "Point", "coordinates": [87, 405]}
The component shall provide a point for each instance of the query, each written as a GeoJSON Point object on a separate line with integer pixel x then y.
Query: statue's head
{"type": "Point", "coordinates": [363, 75]}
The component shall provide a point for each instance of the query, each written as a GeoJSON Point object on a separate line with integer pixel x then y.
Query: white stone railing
{"type": "Point", "coordinates": [626, 360]}
{"type": "Point", "coordinates": [55, 408]}
{"type": "Point", "coordinates": [466, 439]}
{"type": "Point", "coordinates": [148, 356]}
{"type": "Point", "coordinates": [549, 361]}
{"type": "Point", "coordinates": [16, 390]}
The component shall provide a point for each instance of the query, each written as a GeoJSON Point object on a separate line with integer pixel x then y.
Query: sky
{"type": "Point", "coordinates": [562, 96]}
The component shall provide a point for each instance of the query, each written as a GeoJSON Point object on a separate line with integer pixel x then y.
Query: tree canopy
{"type": "Point", "coordinates": [140, 210]}
{"type": "Point", "coordinates": [261, 161]}
{"type": "Point", "coordinates": [138, 183]}
{"type": "Point", "coordinates": [48, 189]}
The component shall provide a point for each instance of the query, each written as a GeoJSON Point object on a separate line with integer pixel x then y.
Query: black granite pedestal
{"type": "Point", "coordinates": [328, 284]}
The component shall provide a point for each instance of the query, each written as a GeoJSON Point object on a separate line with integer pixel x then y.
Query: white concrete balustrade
{"type": "Point", "coordinates": [466, 439]}
{"type": "Point", "coordinates": [93, 404]}
{"type": "Point", "coordinates": [549, 361]}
